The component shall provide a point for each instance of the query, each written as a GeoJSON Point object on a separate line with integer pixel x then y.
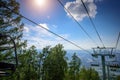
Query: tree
{"type": "Point", "coordinates": [55, 63]}
{"type": "Point", "coordinates": [42, 59]}
{"type": "Point", "coordinates": [89, 74]}
{"type": "Point", "coordinates": [28, 64]}
{"type": "Point", "coordinates": [74, 67]}
{"type": "Point", "coordinates": [11, 25]}
{"type": "Point", "coordinates": [118, 77]}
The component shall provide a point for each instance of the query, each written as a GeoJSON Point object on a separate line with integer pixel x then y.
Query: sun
{"type": "Point", "coordinates": [40, 3]}
{"type": "Point", "coordinates": [39, 7]}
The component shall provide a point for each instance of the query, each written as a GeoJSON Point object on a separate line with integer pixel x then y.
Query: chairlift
{"type": "Point", "coordinates": [95, 55]}
{"type": "Point", "coordinates": [94, 64]}
{"type": "Point", "coordinates": [112, 56]}
{"type": "Point", "coordinates": [114, 65]}
{"type": "Point", "coordinates": [7, 69]}
{"type": "Point", "coordinates": [113, 69]}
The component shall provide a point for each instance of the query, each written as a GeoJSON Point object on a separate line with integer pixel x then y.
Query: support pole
{"type": "Point", "coordinates": [103, 52]}
{"type": "Point", "coordinates": [103, 67]}
{"type": "Point", "coordinates": [108, 73]}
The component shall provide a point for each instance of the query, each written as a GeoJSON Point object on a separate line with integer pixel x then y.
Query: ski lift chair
{"type": "Point", "coordinates": [95, 64]}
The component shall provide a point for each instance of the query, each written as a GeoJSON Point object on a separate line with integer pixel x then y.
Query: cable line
{"type": "Point", "coordinates": [47, 30]}
{"type": "Point", "coordinates": [93, 23]}
{"type": "Point", "coordinates": [77, 22]}
{"type": "Point", "coordinates": [117, 41]}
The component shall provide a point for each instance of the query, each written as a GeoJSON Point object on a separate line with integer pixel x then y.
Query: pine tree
{"type": "Point", "coordinates": [10, 25]}
{"type": "Point", "coordinates": [55, 64]}
{"type": "Point", "coordinates": [74, 67]}
{"type": "Point", "coordinates": [89, 74]}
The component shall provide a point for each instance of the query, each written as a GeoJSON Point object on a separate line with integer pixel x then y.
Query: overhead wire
{"type": "Point", "coordinates": [48, 30]}
{"type": "Point", "coordinates": [117, 41]}
{"type": "Point", "coordinates": [93, 23]}
{"type": "Point", "coordinates": [116, 45]}
{"type": "Point", "coordinates": [77, 22]}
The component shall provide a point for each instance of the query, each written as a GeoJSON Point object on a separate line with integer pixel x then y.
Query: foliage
{"type": "Point", "coordinates": [89, 74]}
{"type": "Point", "coordinates": [74, 67]}
{"type": "Point", "coordinates": [28, 64]}
{"type": "Point", "coordinates": [55, 64]}
{"type": "Point", "coordinates": [50, 64]}
{"type": "Point", "coordinates": [118, 77]}
{"type": "Point", "coordinates": [11, 25]}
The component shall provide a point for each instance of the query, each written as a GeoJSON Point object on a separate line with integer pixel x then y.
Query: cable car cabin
{"type": "Point", "coordinates": [7, 69]}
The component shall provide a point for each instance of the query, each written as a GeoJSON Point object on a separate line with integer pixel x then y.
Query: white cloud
{"type": "Point", "coordinates": [44, 25]}
{"type": "Point", "coordinates": [37, 36]}
{"type": "Point", "coordinates": [78, 11]}
{"type": "Point", "coordinates": [42, 38]}
{"type": "Point", "coordinates": [36, 30]}
{"type": "Point", "coordinates": [26, 29]}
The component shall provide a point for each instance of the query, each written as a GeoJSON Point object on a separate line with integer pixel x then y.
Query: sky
{"type": "Point", "coordinates": [52, 16]}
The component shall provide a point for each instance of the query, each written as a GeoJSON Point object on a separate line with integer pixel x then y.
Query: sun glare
{"type": "Point", "coordinates": [40, 7]}
{"type": "Point", "coordinates": [41, 3]}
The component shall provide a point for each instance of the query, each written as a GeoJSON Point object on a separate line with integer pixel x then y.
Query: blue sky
{"type": "Point", "coordinates": [51, 15]}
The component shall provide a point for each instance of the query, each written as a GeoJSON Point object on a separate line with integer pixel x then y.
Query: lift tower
{"type": "Point", "coordinates": [103, 52]}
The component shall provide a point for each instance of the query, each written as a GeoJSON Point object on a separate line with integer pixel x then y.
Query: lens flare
{"type": "Point", "coordinates": [39, 7]}
{"type": "Point", "coordinates": [41, 3]}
